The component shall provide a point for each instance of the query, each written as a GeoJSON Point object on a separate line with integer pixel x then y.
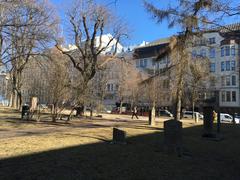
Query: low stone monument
{"type": "Point", "coordinates": [173, 137]}
{"type": "Point", "coordinates": [208, 122]}
{"type": "Point", "coordinates": [119, 136]}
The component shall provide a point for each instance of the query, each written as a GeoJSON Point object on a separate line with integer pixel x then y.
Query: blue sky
{"type": "Point", "coordinates": [141, 25]}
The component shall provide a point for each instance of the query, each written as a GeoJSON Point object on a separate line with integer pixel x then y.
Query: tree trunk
{"type": "Point", "coordinates": [54, 113]}
{"type": "Point", "coordinates": [14, 99]}
{"type": "Point", "coordinates": [91, 111]}
{"type": "Point", "coordinates": [152, 116]}
{"type": "Point", "coordinates": [178, 105]}
{"type": "Point", "coordinates": [19, 97]}
{"type": "Point", "coordinates": [193, 107]}
{"type": "Point", "coordinates": [120, 110]}
{"type": "Point", "coordinates": [10, 100]}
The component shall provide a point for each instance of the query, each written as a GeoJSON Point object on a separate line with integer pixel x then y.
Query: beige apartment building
{"type": "Point", "coordinates": [222, 47]}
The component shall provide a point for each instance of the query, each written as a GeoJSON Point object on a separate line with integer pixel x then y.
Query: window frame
{"type": "Point", "coordinates": [212, 52]}
{"type": "Point", "coordinates": [228, 81]}
{"type": "Point", "coordinates": [228, 65]}
{"type": "Point", "coordinates": [222, 66]}
{"type": "Point", "coordinates": [234, 79]}
{"type": "Point", "coordinates": [222, 51]}
{"type": "Point", "coordinates": [212, 67]}
{"type": "Point", "coordinates": [228, 96]}
{"type": "Point", "coordinates": [233, 65]}
{"type": "Point", "coordinates": [223, 96]}
{"type": "Point", "coordinates": [227, 51]}
{"type": "Point", "coordinates": [234, 96]}
{"type": "Point", "coordinates": [233, 50]}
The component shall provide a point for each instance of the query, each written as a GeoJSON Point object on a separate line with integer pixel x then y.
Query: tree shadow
{"type": "Point", "coordinates": [141, 158]}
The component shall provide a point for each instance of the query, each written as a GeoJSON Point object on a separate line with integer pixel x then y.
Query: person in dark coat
{"type": "Point", "coordinates": [134, 112]}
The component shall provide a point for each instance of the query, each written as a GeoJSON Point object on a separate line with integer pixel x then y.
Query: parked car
{"type": "Point", "coordinates": [189, 114]}
{"type": "Point", "coordinates": [228, 118]}
{"type": "Point", "coordinates": [165, 113]}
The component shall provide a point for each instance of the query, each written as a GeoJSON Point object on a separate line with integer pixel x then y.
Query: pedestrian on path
{"type": "Point", "coordinates": [134, 112]}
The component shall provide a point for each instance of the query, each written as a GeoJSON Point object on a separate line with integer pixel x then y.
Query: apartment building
{"type": "Point", "coordinates": [156, 88]}
{"type": "Point", "coordinates": [221, 46]}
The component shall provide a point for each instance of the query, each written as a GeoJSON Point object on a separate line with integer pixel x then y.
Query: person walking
{"type": "Point", "coordinates": [134, 112]}
{"type": "Point", "coordinates": [214, 116]}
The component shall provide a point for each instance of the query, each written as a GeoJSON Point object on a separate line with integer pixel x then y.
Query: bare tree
{"type": "Point", "coordinates": [59, 83]}
{"type": "Point", "coordinates": [89, 24]}
{"type": "Point", "coordinates": [31, 27]}
{"type": "Point", "coordinates": [192, 17]}
{"type": "Point", "coordinates": [128, 80]}
{"type": "Point", "coordinates": [197, 79]}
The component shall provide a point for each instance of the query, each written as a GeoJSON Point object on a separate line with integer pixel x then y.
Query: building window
{"type": "Point", "coordinates": [116, 87]}
{"type": "Point", "coordinates": [145, 62]}
{"type": "Point", "coordinates": [222, 66]}
{"type": "Point", "coordinates": [223, 96]}
{"type": "Point", "coordinates": [137, 63]}
{"type": "Point", "coordinates": [203, 53]}
{"type": "Point", "coordinates": [228, 83]}
{"type": "Point", "coordinates": [141, 63]}
{"type": "Point", "coordinates": [227, 51]}
{"type": "Point", "coordinates": [212, 52]}
{"type": "Point", "coordinates": [228, 96]}
{"type": "Point", "coordinates": [233, 65]}
{"type": "Point", "coordinates": [233, 50]}
{"type": "Point", "coordinates": [212, 67]}
{"type": "Point", "coordinates": [153, 62]}
{"type": "Point", "coordinates": [109, 87]}
{"type": "Point", "coordinates": [222, 51]}
{"type": "Point", "coordinates": [233, 80]}
{"type": "Point", "coordinates": [227, 65]}
{"type": "Point", "coordinates": [223, 80]}
{"type": "Point", "coordinates": [212, 40]}
{"type": "Point", "coordinates": [234, 96]}
{"type": "Point", "coordinates": [164, 60]}
{"type": "Point", "coordinates": [194, 53]}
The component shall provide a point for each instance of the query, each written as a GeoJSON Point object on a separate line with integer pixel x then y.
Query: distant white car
{"type": "Point", "coordinates": [228, 118]}
{"type": "Point", "coordinates": [189, 114]}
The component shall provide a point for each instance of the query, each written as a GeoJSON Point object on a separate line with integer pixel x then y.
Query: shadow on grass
{"type": "Point", "coordinates": [141, 158]}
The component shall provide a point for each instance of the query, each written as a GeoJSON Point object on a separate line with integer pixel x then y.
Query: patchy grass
{"type": "Point", "coordinates": [81, 150]}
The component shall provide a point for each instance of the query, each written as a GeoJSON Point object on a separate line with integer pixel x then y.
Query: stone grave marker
{"type": "Point", "coordinates": [119, 136]}
{"type": "Point", "coordinates": [208, 122]}
{"type": "Point", "coordinates": [173, 137]}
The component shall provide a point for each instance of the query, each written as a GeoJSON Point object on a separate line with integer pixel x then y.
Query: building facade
{"type": "Point", "coordinates": [221, 47]}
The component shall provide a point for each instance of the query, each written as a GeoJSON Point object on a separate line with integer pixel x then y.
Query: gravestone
{"type": "Point", "coordinates": [173, 137]}
{"type": "Point", "coordinates": [33, 104]}
{"type": "Point", "coordinates": [208, 122]}
{"type": "Point", "coordinates": [119, 136]}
